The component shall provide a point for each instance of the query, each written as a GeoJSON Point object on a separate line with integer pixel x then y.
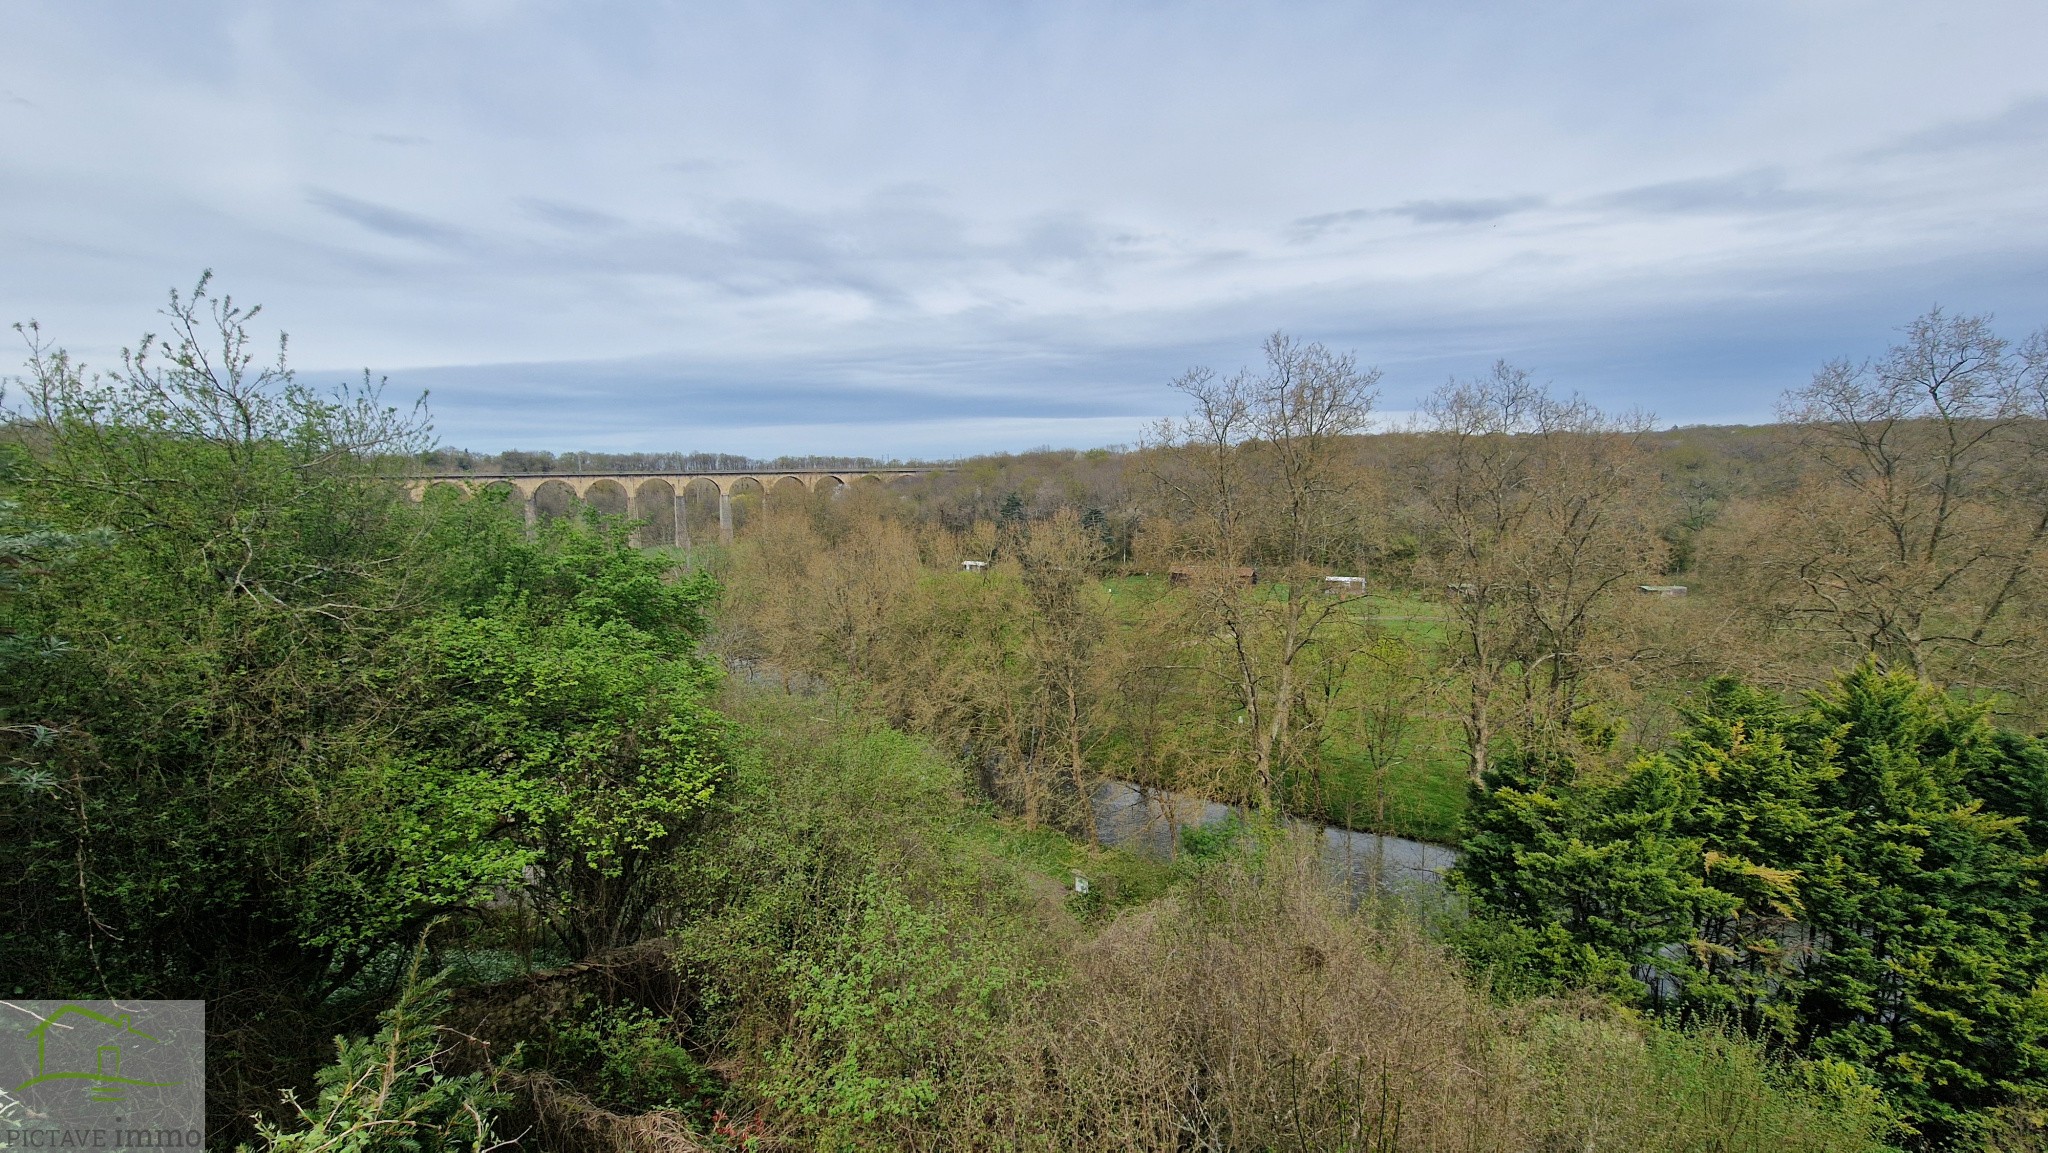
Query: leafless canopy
{"type": "Point", "coordinates": [1919, 526]}
{"type": "Point", "coordinates": [1256, 463]}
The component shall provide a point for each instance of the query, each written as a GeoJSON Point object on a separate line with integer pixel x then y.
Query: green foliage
{"type": "Point", "coordinates": [1611, 1085]}
{"type": "Point", "coordinates": [1205, 844]}
{"type": "Point", "coordinates": [569, 688]}
{"type": "Point", "coordinates": [1826, 875]}
{"type": "Point", "coordinates": [626, 1058]}
{"type": "Point", "coordinates": [881, 977]}
{"type": "Point", "coordinates": [584, 571]}
{"type": "Point", "coordinates": [1933, 974]}
{"type": "Point", "coordinates": [276, 718]}
{"type": "Point", "coordinates": [1117, 880]}
{"type": "Point", "coordinates": [853, 933]}
{"type": "Point", "coordinates": [388, 1093]}
{"type": "Point", "coordinates": [217, 738]}
{"type": "Point", "coordinates": [881, 1005]}
{"type": "Point", "coordinates": [27, 550]}
{"type": "Point", "coordinates": [1524, 960]}
{"type": "Point", "coordinates": [1606, 868]}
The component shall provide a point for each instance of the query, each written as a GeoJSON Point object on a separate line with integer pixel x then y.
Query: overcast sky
{"type": "Point", "coordinates": [898, 229]}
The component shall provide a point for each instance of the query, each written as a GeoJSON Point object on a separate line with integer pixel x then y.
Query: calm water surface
{"type": "Point", "coordinates": [1149, 821]}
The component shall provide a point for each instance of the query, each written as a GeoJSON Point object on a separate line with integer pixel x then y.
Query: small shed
{"type": "Point", "coordinates": [1184, 573]}
{"type": "Point", "coordinates": [1343, 586]}
{"type": "Point", "coordinates": [1661, 590]}
{"type": "Point", "coordinates": [980, 566]}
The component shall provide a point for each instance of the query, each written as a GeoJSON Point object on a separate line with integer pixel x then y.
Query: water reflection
{"type": "Point", "coordinates": [1149, 821]}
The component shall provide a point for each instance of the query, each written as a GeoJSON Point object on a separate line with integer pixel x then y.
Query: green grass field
{"type": "Point", "coordinates": [1423, 794]}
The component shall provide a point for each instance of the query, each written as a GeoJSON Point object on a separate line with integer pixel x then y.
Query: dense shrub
{"type": "Point", "coordinates": [1856, 877]}
{"type": "Point", "coordinates": [275, 718]}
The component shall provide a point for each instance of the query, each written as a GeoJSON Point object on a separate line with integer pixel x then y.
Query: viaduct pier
{"type": "Point", "coordinates": [641, 494]}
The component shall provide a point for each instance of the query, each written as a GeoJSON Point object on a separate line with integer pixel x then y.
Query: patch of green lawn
{"type": "Point", "coordinates": [1424, 791]}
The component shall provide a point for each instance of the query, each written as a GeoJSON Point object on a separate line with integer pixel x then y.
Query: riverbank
{"type": "Point", "coordinates": [882, 961]}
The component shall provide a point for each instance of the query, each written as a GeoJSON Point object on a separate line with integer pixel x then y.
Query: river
{"type": "Point", "coordinates": [1148, 821]}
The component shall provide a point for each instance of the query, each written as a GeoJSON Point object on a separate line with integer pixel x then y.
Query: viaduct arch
{"type": "Point", "coordinates": [656, 498]}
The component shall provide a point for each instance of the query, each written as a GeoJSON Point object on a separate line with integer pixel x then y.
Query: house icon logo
{"type": "Point", "coordinates": [79, 1044]}
{"type": "Point", "coordinates": [102, 1074]}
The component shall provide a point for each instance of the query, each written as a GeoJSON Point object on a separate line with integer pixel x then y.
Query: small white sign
{"type": "Point", "coordinates": [1080, 883]}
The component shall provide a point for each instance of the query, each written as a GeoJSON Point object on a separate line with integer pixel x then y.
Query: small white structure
{"type": "Point", "coordinates": [1080, 884]}
{"type": "Point", "coordinates": [1344, 586]}
{"type": "Point", "coordinates": [1661, 590]}
{"type": "Point", "coordinates": [980, 566]}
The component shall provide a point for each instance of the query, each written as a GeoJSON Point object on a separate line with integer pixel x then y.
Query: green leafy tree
{"type": "Point", "coordinates": [209, 695]}
{"type": "Point", "coordinates": [1929, 973]}
{"type": "Point", "coordinates": [568, 681]}
{"type": "Point", "coordinates": [1605, 877]}
{"type": "Point", "coordinates": [1825, 873]}
{"type": "Point", "coordinates": [278, 718]}
{"type": "Point", "coordinates": [26, 551]}
{"type": "Point", "coordinates": [1757, 808]}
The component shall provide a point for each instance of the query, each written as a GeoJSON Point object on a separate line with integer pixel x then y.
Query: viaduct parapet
{"type": "Point", "coordinates": [640, 491]}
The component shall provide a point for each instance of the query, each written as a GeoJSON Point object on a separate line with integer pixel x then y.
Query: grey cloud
{"type": "Point", "coordinates": [990, 383]}
{"type": "Point", "coordinates": [972, 382]}
{"type": "Point", "coordinates": [2025, 122]}
{"type": "Point", "coordinates": [1072, 243]}
{"type": "Point", "coordinates": [17, 98]}
{"type": "Point", "coordinates": [1310, 227]}
{"type": "Point", "coordinates": [883, 250]}
{"type": "Point", "coordinates": [1062, 236]}
{"type": "Point", "coordinates": [388, 221]}
{"type": "Point", "coordinates": [570, 217]}
{"type": "Point", "coordinates": [1441, 211]}
{"type": "Point", "coordinates": [734, 215]}
{"type": "Point", "coordinates": [1464, 211]}
{"type": "Point", "coordinates": [742, 249]}
{"type": "Point", "coordinates": [759, 246]}
{"type": "Point", "coordinates": [1753, 191]}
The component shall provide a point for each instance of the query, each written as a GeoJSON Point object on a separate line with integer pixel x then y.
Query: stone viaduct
{"type": "Point", "coordinates": [639, 491]}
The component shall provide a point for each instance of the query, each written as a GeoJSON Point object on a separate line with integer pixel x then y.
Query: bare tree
{"type": "Point", "coordinates": [1065, 627]}
{"type": "Point", "coordinates": [1539, 513]}
{"type": "Point", "coordinates": [1258, 477]}
{"type": "Point", "coordinates": [1397, 684]}
{"type": "Point", "coordinates": [1916, 535]}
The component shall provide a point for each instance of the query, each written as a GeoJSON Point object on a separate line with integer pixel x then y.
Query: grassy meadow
{"type": "Point", "coordinates": [1419, 791]}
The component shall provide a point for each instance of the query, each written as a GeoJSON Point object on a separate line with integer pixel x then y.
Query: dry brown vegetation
{"type": "Point", "coordinates": [1900, 516]}
{"type": "Point", "coordinates": [1913, 532]}
{"type": "Point", "coordinates": [929, 991]}
{"type": "Point", "coordinates": [944, 997]}
{"type": "Point", "coordinates": [1256, 1012]}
